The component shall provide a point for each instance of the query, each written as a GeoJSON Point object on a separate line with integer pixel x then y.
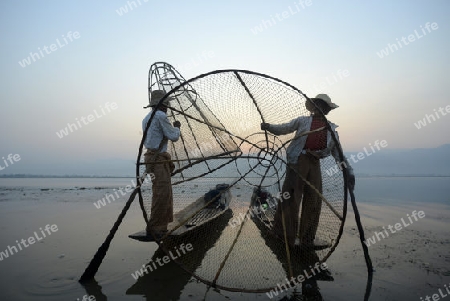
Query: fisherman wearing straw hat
{"type": "Point", "coordinates": [303, 158]}
{"type": "Point", "coordinates": [158, 134]}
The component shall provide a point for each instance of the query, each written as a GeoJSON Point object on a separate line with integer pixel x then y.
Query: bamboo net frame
{"type": "Point", "coordinates": [198, 116]}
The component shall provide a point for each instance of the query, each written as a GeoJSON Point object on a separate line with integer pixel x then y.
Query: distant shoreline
{"type": "Point", "coordinates": [21, 176]}
{"type": "Point", "coordinates": [26, 176]}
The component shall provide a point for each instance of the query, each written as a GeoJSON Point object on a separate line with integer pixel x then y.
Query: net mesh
{"type": "Point", "coordinates": [228, 179]}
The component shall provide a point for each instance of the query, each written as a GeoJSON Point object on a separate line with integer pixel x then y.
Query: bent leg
{"type": "Point", "coordinates": [162, 197]}
{"type": "Point", "coordinates": [290, 206]}
{"type": "Point", "coordinates": [312, 205]}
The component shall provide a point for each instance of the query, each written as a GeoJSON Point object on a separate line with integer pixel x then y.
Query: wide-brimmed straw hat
{"type": "Point", "coordinates": [326, 99]}
{"type": "Point", "coordinates": [156, 96]}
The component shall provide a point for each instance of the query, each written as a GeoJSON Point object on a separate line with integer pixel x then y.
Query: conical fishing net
{"type": "Point", "coordinates": [228, 183]}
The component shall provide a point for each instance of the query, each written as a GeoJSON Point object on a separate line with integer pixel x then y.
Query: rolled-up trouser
{"type": "Point", "coordinates": [307, 167]}
{"type": "Point", "coordinates": [162, 198]}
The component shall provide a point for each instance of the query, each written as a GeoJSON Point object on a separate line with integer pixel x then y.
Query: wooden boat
{"type": "Point", "coordinates": [205, 209]}
{"type": "Point", "coordinates": [263, 206]}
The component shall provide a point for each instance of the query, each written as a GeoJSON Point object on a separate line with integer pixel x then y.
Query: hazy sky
{"type": "Point", "coordinates": [333, 47]}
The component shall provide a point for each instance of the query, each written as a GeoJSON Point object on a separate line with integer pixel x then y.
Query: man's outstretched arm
{"type": "Point", "coordinates": [282, 129]}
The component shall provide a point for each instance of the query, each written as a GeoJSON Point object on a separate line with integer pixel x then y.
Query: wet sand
{"type": "Point", "coordinates": [409, 264]}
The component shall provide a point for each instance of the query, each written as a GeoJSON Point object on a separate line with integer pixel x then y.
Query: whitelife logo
{"type": "Point", "coordinates": [437, 297]}
{"type": "Point", "coordinates": [398, 226]}
{"type": "Point", "coordinates": [69, 37]}
{"type": "Point", "coordinates": [307, 274]}
{"type": "Point", "coordinates": [430, 118]}
{"type": "Point", "coordinates": [11, 250]}
{"type": "Point", "coordinates": [72, 127]}
{"type": "Point", "coordinates": [181, 250]}
{"type": "Point", "coordinates": [411, 38]}
{"type": "Point", "coordinates": [130, 6]}
{"type": "Point", "coordinates": [11, 158]}
{"type": "Point", "coordinates": [265, 24]}
{"type": "Point", "coordinates": [335, 169]}
{"type": "Point", "coordinates": [108, 198]}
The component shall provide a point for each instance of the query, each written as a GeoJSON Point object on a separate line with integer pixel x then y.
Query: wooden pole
{"type": "Point", "coordinates": [95, 263]}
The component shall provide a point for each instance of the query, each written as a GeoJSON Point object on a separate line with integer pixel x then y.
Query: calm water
{"type": "Point", "coordinates": [377, 189]}
{"type": "Point", "coordinates": [49, 269]}
{"type": "Point", "coordinates": [404, 189]}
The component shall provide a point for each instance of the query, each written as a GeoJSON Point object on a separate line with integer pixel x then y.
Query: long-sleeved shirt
{"type": "Point", "coordinates": [159, 129]}
{"type": "Point", "coordinates": [300, 125]}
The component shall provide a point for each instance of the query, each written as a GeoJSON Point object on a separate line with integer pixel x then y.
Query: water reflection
{"type": "Point", "coordinates": [94, 289]}
{"type": "Point", "coordinates": [167, 281]}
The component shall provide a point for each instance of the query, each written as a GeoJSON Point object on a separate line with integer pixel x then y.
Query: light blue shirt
{"type": "Point", "coordinates": [159, 129]}
{"type": "Point", "coordinates": [300, 125]}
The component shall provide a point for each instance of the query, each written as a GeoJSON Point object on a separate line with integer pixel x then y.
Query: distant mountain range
{"type": "Point", "coordinates": [421, 161]}
{"type": "Point", "coordinates": [385, 162]}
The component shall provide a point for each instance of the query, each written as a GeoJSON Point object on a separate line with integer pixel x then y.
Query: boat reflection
{"type": "Point", "coordinates": [167, 281]}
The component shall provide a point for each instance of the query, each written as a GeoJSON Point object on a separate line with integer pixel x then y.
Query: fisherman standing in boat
{"type": "Point", "coordinates": [303, 158]}
{"type": "Point", "coordinates": [158, 163]}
